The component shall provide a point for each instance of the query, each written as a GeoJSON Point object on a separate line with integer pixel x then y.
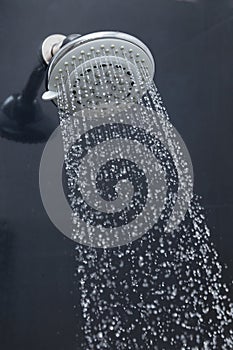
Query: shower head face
{"type": "Point", "coordinates": [100, 68]}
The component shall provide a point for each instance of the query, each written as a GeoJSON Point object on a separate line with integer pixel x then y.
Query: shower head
{"type": "Point", "coordinates": [97, 68]}
{"type": "Point", "coordinates": [88, 70]}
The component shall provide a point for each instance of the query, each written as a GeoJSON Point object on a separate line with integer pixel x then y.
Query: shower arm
{"type": "Point", "coordinates": [22, 107]}
{"type": "Point", "coordinates": [21, 115]}
{"type": "Point", "coordinates": [50, 46]}
{"type": "Point", "coordinates": [30, 91]}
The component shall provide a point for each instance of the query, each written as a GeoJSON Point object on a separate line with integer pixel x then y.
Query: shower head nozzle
{"type": "Point", "coordinates": [98, 68]}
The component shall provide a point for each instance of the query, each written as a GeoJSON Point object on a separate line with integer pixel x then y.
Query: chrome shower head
{"type": "Point", "coordinates": [97, 68]}
{"type": "Point", "coordinates": [89, 70]}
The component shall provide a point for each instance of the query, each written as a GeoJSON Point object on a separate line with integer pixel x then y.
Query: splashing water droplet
{"type": "Point", "coordinates": [148, 274]}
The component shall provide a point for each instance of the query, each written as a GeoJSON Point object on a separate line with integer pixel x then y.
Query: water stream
{"type": "Point", "coordinates": [149, 276]}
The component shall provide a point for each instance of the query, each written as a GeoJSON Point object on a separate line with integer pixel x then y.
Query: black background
{"type": "Point", "coordinates": [192, 42]}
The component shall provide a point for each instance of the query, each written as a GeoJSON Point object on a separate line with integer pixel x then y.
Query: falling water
{"type": "Point", "coordinates": [149, 276]}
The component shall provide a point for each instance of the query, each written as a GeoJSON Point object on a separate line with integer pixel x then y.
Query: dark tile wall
{"type": "Point", "coordinates": [193, 47]}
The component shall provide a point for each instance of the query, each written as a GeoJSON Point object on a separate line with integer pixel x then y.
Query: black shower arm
{"type": "Point", "coordinates": [21, 116]}
{"type": "Point", "coordinates": [33, 84]}
{"type": "Point", "coordinates": [50, 47]}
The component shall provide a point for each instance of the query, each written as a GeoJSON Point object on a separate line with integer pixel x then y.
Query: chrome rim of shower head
{"type": "Point", "coordinates": [121, 61]}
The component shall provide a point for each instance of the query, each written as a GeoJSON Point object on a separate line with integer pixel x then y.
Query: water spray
{"type": "Point", "coordinates": [155, 282]}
